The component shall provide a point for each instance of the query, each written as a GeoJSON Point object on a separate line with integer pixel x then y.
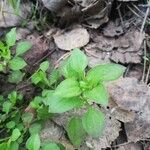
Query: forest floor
{"type": "Point", "coordinates": [107, 31]}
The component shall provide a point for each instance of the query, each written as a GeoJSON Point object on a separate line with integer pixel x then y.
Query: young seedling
{"type": "Point", "coordinates": [13, 63]}
{"type": "Point", "coordinates": [82, 89]}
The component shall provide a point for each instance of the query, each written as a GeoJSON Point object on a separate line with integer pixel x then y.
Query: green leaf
{"type": "Point", "coordinates": [43, 114]}
{"type": "Point", "coordinates": [50, 146]}
{"type": "Point", "coordinates": [17, 63]}
{"type": "Point", "coordinates": [98, 95]}
{"type": "Point", "coordinates": [36, 102]}
{"type": "Point", "coordinates": [67, 71]}
{"type": "Point", "coordinates": [2, 46]}
{"type": "Point", "coordinates": [39, 77]}
{"type": "Point", "coordinates": [74, 66]}
{"type": "Point", "coordinates": [11, 37]}
{"type": "Point", "coordinates": [27, 117]}
{"type": "Point", "coordinates": [14, 146]}
{"type": "Point", "coordinates": [3, 146]}
{"type": "Point", "coordinates": [54, 77]}
{"type": "Point", "coordinates": [15, 134]}
{"type": "Point", "coordinates": [22, 47]}
{"type": "Point", "coordinates": [75, 131]}
{"type": "Point", "coordinates": [93, 122]}
{"type": "Point", "coordinates": [106, 72]}
{"type": "Point", "coordinates": [35, 128]}
{"type": "Point", "coordinates": [68, 88]}
{"type": "Point", "coordinates": [10, 124]}
{"type": "Point", "coordinates": [33, 143]}
{"type": "Point", "coordinates": [78, 61]}
{"type": "Point", "coordinates": [6, 54]}
{"type": "Point", "coordinates": [44, 66]}
{"type": "Point", "coordinates": [13, 97]}
{"type": "Point", "coordinates": [61, 105]}
{"type": "Point", "coordinates": [15, 77]}
{"type": "Point", "coordinates": [7, 106]}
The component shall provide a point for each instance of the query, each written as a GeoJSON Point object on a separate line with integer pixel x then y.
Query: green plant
{"type": "Point", "coordinates": [40, 77]}
{"type": "Point", "coordinates": [80, 89]}
{"type": "Point", "coordinates": [21, 120]}
{"type": "Point", "coordinates": [13, 63]}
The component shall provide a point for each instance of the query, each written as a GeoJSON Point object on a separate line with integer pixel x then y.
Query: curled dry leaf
{"type": "Point", "coordinates": [75, 38]}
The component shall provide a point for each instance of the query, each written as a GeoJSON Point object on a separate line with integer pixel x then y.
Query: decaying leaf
{"type": "Point", "coordinates": [8, 18]}
{"type": "Point", "coordinates": [112, 30]}
{"type": "Point", "coordinates": [97, 12]}
{"type": "Point", "coordinates": [75, 38]}
{"type": "Point", "coordinates": [124, 48]}
{"type": "Point", "coordinates": [54, 5]}
{"type": "Point", "coordinates": [131, 146]}
{"type": "Point", "coordinates": [140, 127]}
{"type": "Point", "coordinates": [39, 49]}
{"type": "Point", "coordinates": [120, 114]}
{"type": "Point", "coordinates": [53, 133]}
{"type": "Point", "coordinates": [129, 94]}
{"type": "Point", "coordinates": [22, 33]}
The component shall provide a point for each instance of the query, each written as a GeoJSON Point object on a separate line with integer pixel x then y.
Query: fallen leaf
{"type": "Point", "coordinates": [75, 38]}
{"type": "Point", "coordinates": [8, 18]}
{"type": "Point", "coordinates": [129, 93]}
{"type": "Point", "coordinates": [54, 5]}
{"type": "Point", "coordinates": [123, 49]}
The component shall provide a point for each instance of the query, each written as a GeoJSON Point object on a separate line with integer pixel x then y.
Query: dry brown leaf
{"type": "Point", "coordinates": [120, 114]}
{"type": "Point", "coordinates": [8, 18]}
{"type": "Point", "coordinates": [124, 49]}
{"type": "Point", "coordinates": [131, 146]}
{"type": "Point", "coordinates": [75, 38]}
{"type": "Point", "coordinates": [39, 49]}
{"type": "Point", "coordinates": [140, 127]}
{"type": "Point", "coordinates": [112, 30]}
{"type": "Point", "coordinates": [22, 33]}
{"type": "Point", "coordinates": [54, 5]}
{"type": "Point", "coordinates": [53, 133]}
{"type": "Point", "coordinates": [129, 94]}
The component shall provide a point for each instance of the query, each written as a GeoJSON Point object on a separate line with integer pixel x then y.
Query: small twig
{"type": "Point", "coordinates": [144, 70]}
{"type": "Point", "coordinates": [44, 57]}
{"type": "Point", "coordinates": [140, 11]}
{"type": "Point", "coordinates": [133, 11]}
{"type": "Point", "coordinates": [89, 52]}
{"type": "Point", "coordinates": [121, 144]}
{"type": "Point", "coordinates": [145, 18]}
{"type": "Point", "coordinates": [66, 55]}
{"type": "Point", "coordinates": [147, 76]}
{"type": "Point", "coordinates": [120, 15]}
